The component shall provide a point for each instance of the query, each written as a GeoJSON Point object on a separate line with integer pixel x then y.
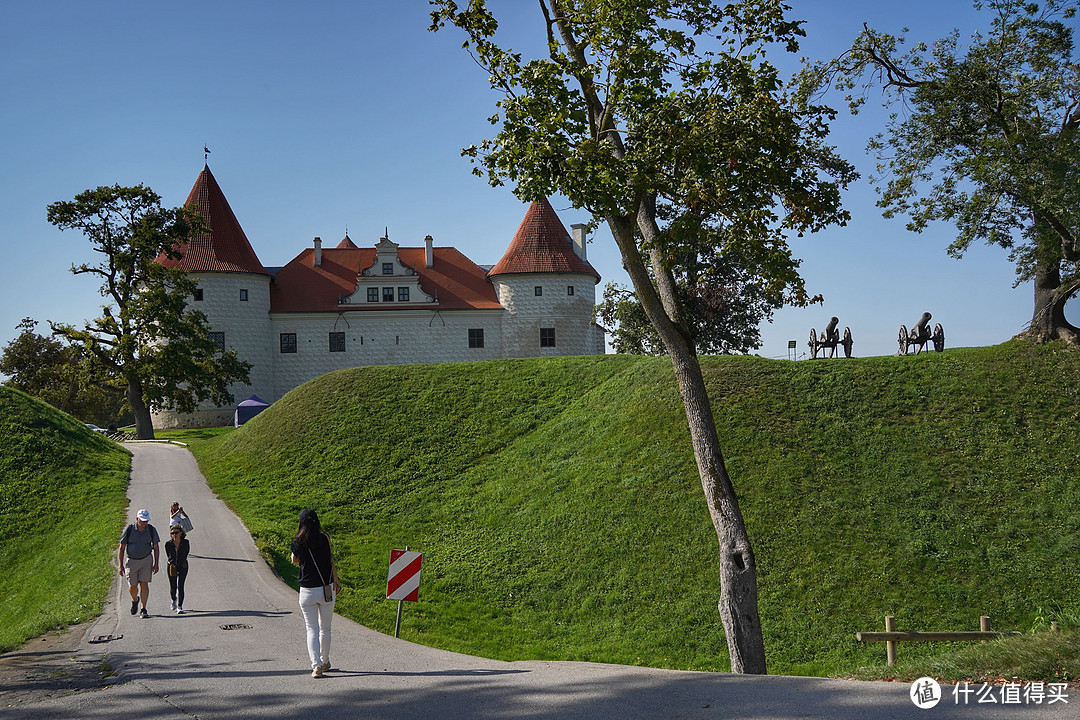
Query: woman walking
{"type": "Point", "coordinates": [177, 551]}
{"type": "Point", "coordinates": [319, 585]}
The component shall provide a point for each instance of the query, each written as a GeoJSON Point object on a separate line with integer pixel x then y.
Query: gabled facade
{"type": "Point", "coordinates": [347, 306]}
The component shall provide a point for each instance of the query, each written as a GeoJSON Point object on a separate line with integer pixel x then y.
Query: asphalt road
{"type": "Point", "coordinates": [188, 666]}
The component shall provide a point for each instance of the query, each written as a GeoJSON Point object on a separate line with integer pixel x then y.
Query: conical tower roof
{"type": "Point", "coordinates": [347, 243]}
{"type": "Point", "coordinates": [541, 245]}
{"type": "Point", "coordinates": [225, 248]}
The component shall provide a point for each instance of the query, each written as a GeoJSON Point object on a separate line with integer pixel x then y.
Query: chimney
{"type": "Point", "coordinates": [429, 253]}
{"type": "Point", "coordinates": [578, 231]}
{"type": "Point", "coordinates": [318, 252]}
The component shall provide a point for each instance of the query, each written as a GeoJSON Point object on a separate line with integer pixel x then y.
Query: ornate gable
{"type": "Point", "coordinates": [388, 282]}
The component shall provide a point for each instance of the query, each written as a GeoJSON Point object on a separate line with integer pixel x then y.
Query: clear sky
{"type": "Point", "coordinates": [328, 116]}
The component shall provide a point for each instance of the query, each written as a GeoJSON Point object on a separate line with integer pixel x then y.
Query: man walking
{"type": "Point", "coordinates": [138, 542]}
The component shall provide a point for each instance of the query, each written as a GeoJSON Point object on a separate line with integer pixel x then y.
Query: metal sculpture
{"type": "Point", "coordinates": [829, 339]}
{"type": "Point", "coordinates": [920, 335]}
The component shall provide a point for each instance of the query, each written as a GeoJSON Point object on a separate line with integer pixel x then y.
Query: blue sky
{"type": "Point", "coordinates": [331, 115]}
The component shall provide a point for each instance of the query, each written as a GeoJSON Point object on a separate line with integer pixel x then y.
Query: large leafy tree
{"type": "Point", "coordinates": [656, 116]}
{"type": "Point", "coordinates": [146, 337]}
{"type": "Point", "coordinates": [984, 135]}
{"type": "Point", "coordinates": [723, 304]}
{"type": "Point", "coordinates": [58, 373]}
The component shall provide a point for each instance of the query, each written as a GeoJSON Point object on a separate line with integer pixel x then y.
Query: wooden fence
{"type": "Point", "coordinates": [891, 636]}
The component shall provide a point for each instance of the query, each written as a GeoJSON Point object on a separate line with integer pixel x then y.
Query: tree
{"type": "Point", "coordinates": [986, 137]}
{"type": "Point", "coordinates": [49, 369]}
{"type": "Point", "coordinates": [660, 112]}
{"type": "Point", "coordinates": [721, 301]}
{"type": "Point", "coordinates": [159, 350]}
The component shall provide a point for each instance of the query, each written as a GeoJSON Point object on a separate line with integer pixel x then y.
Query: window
{"type": "Point", "coordinates": [218, 338]}
{"type": "Point", "coordinates": [538, 291]}
{"type": "Point", "coordinates": [198, 294]}
{"type": "Point", "coordinates": [388, 294]}
{"type": "Point", "coordinates": [243, 296]}
{"type": "Point", "coordinates": [403, 294]}
{"type": "Point", "coordinates": [288, 342]}
{"type": "Point", "coordinates": [373, 294]}
{"type": "Point", "coordinates": [569, 289]}
{"type": "Point", "coordinates": [476, 337]}
{"type": "Point", "coordinates": [388, 268]}
{"type": "Point", "coordinates": [547, 337]}
{"type": "Point", "coordinates": [337, 342]}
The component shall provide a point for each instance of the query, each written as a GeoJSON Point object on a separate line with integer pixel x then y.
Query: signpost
{"type": "Point", "coordinates": [403, 580]}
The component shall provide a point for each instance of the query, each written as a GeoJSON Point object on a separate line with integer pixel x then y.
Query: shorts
{"type": "Point", "coordinates": [140, 569]}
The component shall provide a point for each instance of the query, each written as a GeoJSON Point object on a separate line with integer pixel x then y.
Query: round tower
{"type": "Point", "coordinates": [548, 289]}
{"type": "Point", "coordinates": [234, 294]}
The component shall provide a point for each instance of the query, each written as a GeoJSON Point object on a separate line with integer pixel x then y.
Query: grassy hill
{"type": "Point", "coordinates": [561, 515]}
{"type": "Point", "coordinates": [62, 502]}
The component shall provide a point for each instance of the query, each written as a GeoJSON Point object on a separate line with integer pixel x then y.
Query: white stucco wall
{"type": "Point", "coordinates": [379, 337]}
{"type": "Point", "coordinates": [246, 324]}
{"type": "Point", "coordinates": [527, 313]}
{"type": "Point", "coordinates": [386, 337]}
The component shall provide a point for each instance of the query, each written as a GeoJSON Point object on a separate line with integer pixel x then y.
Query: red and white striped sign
{"type": "Point", "coordinates": [403, 581]}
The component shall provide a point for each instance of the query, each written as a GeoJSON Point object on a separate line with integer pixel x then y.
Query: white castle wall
{"type": "Point", "coordinates": [386, 337]}
{"type": "Point", "coordinates": [246, 324]}
{"type": "Point", "coordinates": [377, 337]}
{"type": "Point", "coordinates": [527, 313]}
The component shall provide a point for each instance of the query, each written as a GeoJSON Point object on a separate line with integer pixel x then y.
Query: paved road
{"type": "Point", "coordinates": [189, 667]}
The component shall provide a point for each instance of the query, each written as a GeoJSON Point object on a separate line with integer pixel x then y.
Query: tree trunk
{"type": "Point", "coordinates": [1048, 319]}
{"type": "Point", "coordinates": [144, 427]}
{"type": "Point", "coordinates": [738, 602]}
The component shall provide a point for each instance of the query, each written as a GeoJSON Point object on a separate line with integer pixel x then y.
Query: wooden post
{"type": "Point", "coordinates": [984, 623]}
{"type": "Point", "coordinates": [890, 646]}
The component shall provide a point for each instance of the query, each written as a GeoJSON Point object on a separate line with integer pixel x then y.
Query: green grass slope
{"type": "Point", "coordinates": [62, 503]}
{"type": "Point", "coordinates": [561, 515]}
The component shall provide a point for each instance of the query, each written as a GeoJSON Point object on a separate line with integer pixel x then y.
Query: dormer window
{"type": "Point", "coordinates": [388, 268]}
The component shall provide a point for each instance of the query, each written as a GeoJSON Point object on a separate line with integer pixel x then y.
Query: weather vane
{"type": "Point", "coordinates": [206, 152]}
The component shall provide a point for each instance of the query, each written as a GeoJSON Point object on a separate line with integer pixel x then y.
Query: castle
{"type": "Point", "coordinates": [347, 306]}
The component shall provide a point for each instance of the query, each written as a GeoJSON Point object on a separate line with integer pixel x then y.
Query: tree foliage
{"type": "Point", "coordinates": [146, 336]}
{"type": "Point", "coordinates": [664, 119]}
{"type": "Point", "coordinates": [723, 304]}
{"type": "Point", "coordinates": [984, 135]}
{"type": "Point", "coordinates": [61, 375]}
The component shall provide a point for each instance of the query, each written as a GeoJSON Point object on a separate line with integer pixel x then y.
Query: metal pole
{"type": "Point", "coordinates": [397, 623]}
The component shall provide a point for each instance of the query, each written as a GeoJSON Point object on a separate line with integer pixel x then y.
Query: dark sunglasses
{"type": "Point", "coordinates": [175, 533]}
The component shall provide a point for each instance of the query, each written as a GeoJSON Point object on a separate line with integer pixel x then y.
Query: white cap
{"type": "Point", "coordinates": [143, 515]}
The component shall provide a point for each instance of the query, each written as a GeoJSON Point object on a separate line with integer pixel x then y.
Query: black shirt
{"type": "Point", "coordinates": [309, 575]}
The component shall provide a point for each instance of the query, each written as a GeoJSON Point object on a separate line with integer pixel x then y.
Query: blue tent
{"type": "Point", "coordinates": [248, 409]}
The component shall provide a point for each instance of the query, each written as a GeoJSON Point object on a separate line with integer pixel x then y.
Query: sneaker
{"type": "Point", "coordinates": [134, 606]}
{"type": "Point", "coordinates": [317, 672]}
{"type": "Point", "coordinates": [326, 666]}
{"type": "Point", "coordinates": [144, 613]}
{"type": "Point", "coordinates": [179, 610]}
{"type": "Point", "coordinates": [172, 604]}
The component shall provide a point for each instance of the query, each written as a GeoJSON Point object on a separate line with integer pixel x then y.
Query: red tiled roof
{"type": "Point", "coordinates": [541, 245]}
{"type": "Point", "coordinates": [347, 243]}
{"type": "Point", "coordinates": [226, 248]}
{"type": "Point", "coordinates": [458, 282]}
